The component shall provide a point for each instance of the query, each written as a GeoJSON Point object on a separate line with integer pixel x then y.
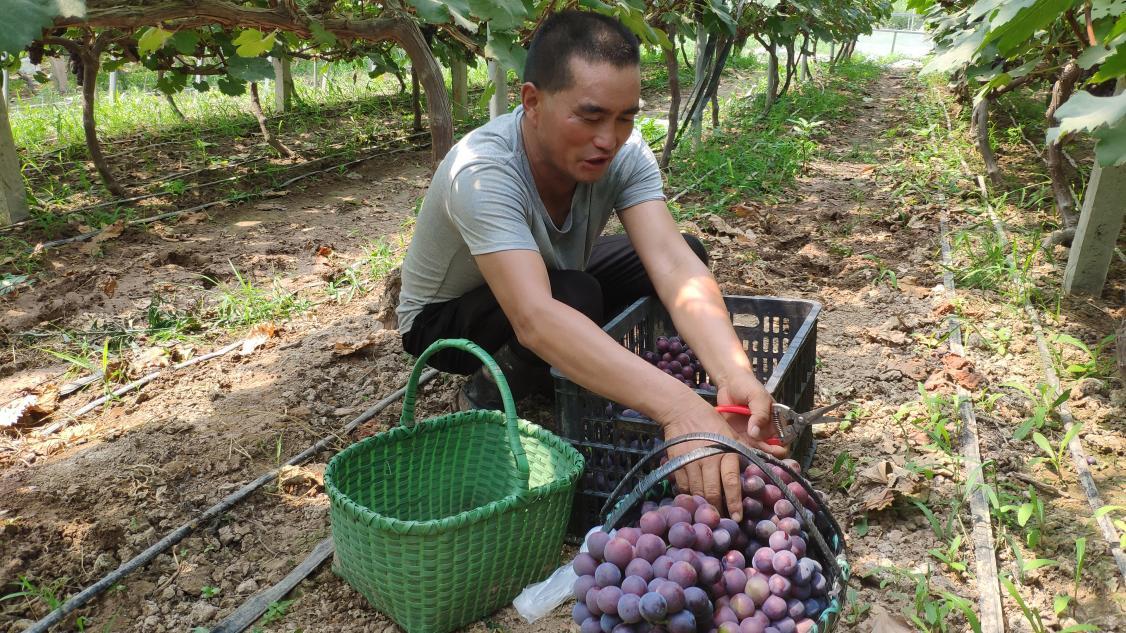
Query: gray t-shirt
{"type": "Point", "coordinates": [483, 199]}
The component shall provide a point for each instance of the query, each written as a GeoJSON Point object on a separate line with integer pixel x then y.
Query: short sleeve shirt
{"type": "Point", "coordinates": [483, 199]}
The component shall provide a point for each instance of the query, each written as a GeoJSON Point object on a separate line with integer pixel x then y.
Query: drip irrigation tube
{"type": "Point", "coordinates": [177, 535]}
{"type": "Point", "coordinates": [1075, 446]}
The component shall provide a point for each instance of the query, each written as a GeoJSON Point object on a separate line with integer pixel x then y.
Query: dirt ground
{"type": "Point", "coordinates": [74, 506]}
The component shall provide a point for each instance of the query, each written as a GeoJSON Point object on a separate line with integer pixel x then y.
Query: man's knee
{"type": "Point", "coordinates": [579, 290]}
{"type": "Point", "coordinates": [697, 247]}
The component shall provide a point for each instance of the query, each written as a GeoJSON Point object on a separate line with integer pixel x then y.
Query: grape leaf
{"type": "Point", "coordinates": [502, 15]}
{"type": "Point", "coordinates": [172, 82]}
{"type": "Point", "coordinates": [24, 20]}
{"type": "Point", "coordinates": [322, 36]}
{"type": "Point", "coordinates": [959, 52]}
{"type": "Point", "coordinates": [250, 68]}
{"type": "Point", "coordinates": [231, 86]}
{"type": "Point", "coordinates": [1015, 23]}
{"type": "Point", "coordinates": [431, 11]}
{"type": "Point", "coordinates": [1111, 150]}
{"type": "Point", "coordinates": [1092, 56]}
{"type": "Point", "coordinates": [1084, 111]}
{"type": "Point", "coordinates": [152, 40]}
{"type": "Point", "coordinates": [252, 43]}
{"type": "Point", "coordinates": [502, 47]}
{"type": "Point", "coordinates": [185, 42]}
{"type": "Point", "coordinates": [1113, 66]}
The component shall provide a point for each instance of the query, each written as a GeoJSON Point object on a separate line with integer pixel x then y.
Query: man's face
{"type": "Point", "coordinates": [579, 130]}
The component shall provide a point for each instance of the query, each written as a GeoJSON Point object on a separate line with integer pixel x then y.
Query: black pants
{"type": "Point", "coordinates": [614, 278]}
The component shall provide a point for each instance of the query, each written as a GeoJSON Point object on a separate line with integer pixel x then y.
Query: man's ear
{"type": "Point", "coordinates": [531, 98]}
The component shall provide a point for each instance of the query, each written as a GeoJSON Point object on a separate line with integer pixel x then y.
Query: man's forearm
{"type": "Point", "coordinates": [588, 356]}
{"type": "Point", "coordinates": [695, 303]}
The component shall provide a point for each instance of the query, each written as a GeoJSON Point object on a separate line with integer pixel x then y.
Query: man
{"type": "Point", "coordinates": [507, 253]}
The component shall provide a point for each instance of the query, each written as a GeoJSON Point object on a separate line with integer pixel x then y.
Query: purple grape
{"type": "Point", "coordinates": [652, 522]}
{"type": "Point", "coordinates": [683, 554]}
{"type": "Point", "coordinates": [790, 526]}
{"type": "Point", "coordinates": [676, 346]}
{"type": "Point", "coordinates": [580, 613]}
{"type": "Point", "coordinates": [661, 566]}
{"type": "Point", "coordinates": [684, 359]}
{"type": "Point", "coordinates": [804, 573]}
{"type": "Point", "coordinates": [742, 605]}
{"type": "Point", "coordinates": [753, 486]}
{"type": "Point", "coordinates": [801, 592]}
{"type": "Point", "coordinates": [673, 595]}
{"type": "Point", "coordinates": [608, 598]}
{"type": "Point", "coordinates": [608, 622]}
{"type": "Point", "coordinates": [649, 547]}
{"type": "Point", "coordinates": [785, 625]}
{"type": "Point", "coordinates": [682, 622]}
{"type": "Point", "coordinates": [708, 515]}
{"type": "Point", "coordinates": [758, 589]}
{"type": "Point", "coordinates": [675, 367]}
{"type": "Point", "coordinates": [591, 625]}
{"type": "Point", "coordinates": [639, 567]}
{"type": "Point", "coordinates": [677, 514]}
{"type": "Point", "coordinates": [663, 365]}
{"type": "Point", "coordinates": [771, 495]}
{"type": "Point", "coordinates": [584, 564]}
{"type": "Point", "coordinates": [591, 601]}
{"type": "Point", "coordinates": [682, 535]}
{"type": "Point", "coordinates": [775, 607]}
{"type": "Point", "coordinates": [784, 508]}
{"type": "Point", "coordinates": [705, 538]}
{"type": "Point", "coordinates": [796, 608]}
{"type": "Point", "coordinates": [596, 544]}
{"type": "Point", "coordinates": [753, 471]}
{"type": "Point", "coordinates": [722, 540]}
{"type": "Point", "coordinates": [687, 372]}
{"type": "Point", "coordinates": [779, 541]}
{"type": "Point", "coordinates": [581, 586]}
{"type": "Point", "coordinates": [818, 584]}
{"type": "Point", "coordinates": [683, 574]}
{"type": "Point", "coordinates": [655, 584]}
{"type": "Point", "coordinates": [813, 607]}
{"type": "Point", "coordinates": [728, 627]}
{"type": "Point", "coordinates": [607, 575]}
{"type": "Point", "coordinates": [629, 608]}
{"type": "Point", "coordinates": [662, 344]}
{"type": "Point", "coordinates": [636, 585]}
{"type": "Point", "coordinates": [723, 601]}
{"type": "Point", "coordinates": [763, 560]}
{"type": "Point", "coordinates": [619, 552]}
{"type": "Point", "coordinates": [724, 614]}
{"type": "Point", "coordinates": [757, 623]}
{"type": "Point", "coordinates": [648, 506]}
{"type": "Point", "coordinates": [653, 607]}
{"type": "Point", "coordinates": [734, 558]}
{"type": "Point", "coordinates": [696, 600]}
{"type": "Point", "coordinates": [779, 586]}
{"type": "Point", "coordinates": [649, 356]}
{"type": "Point", "coordinates": [711, 570]}
{"type": "Point", "coordinates": [797, 546]}
{"type": "Point", "coordinates": [770, 629]}
{"type": "Point", "coordinates": [734, 580]}
{"type": "Point", "coordinates": [764, 528]}
{"type": "Point", "coordinates": [799, 493]}
{"type": "Point", "coordinates": [630, 534]}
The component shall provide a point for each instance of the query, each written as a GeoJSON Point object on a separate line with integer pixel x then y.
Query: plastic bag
{"type": "Point", "coordinates": [541, 598]}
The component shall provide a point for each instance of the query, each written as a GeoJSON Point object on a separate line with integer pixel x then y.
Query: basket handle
{"type": "Point", "coordinates": [465, 345]}
{"type": "Point", "coordinates": [725, 445]}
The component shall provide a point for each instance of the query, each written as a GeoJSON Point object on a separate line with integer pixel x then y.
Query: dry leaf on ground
{"type": "Point", "coordinates": [884, 622]}
{"type": "Point", "coordinates": [29, 408]}
{"type": "Point", "coordinates": [348, 348]}
{"type": "Point", "coordinates": [879, 484]}
{"type": "Point", "coordinates": [110, 232]}
{"type": "Point", "coordinates": [257, 338]}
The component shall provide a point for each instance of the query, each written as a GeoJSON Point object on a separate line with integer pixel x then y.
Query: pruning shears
{"type": "Point", "coordinates": [788, 423]}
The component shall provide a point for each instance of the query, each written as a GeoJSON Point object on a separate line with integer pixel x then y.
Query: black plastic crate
{"type": "Point", "coordinates": [780, 337]}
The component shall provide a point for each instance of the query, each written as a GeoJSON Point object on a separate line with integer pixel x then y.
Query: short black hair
{"type": "Point", "coordinates": [568, 34]}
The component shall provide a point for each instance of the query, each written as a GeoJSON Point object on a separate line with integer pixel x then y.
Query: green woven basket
{"type": "Point", "coordinates": [442, 522]}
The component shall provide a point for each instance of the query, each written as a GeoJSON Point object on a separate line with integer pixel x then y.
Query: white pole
{"type": "Point", "coordinates": [5, 86]}
{"type": "Point", "coordinates": [498, 105]}
{"type": "Point", "coordinates": [894, 34]}
{"type": "Point", "coordinates": [113, 87]}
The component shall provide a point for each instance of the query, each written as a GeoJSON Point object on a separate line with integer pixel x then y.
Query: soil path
{"type": "Point", "coordinates": [74, 507]}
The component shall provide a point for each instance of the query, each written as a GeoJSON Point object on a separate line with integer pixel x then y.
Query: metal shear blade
{"type": "Point", "coordinates": [790, 424]}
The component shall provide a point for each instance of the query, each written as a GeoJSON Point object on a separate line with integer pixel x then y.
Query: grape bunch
{"type": "Point", "coordinates": [682, 568]}
{"type": "Point", "coordinates": [675, 358]}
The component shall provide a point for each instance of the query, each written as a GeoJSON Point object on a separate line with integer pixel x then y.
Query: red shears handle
{"type": "Point", "coordinates": [741, 410]}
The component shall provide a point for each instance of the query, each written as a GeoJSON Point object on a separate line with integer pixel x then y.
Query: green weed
{"type": "Point", "coordinates": [243, 304]}
{"type": "Point", "coordinates": [1054, 455]}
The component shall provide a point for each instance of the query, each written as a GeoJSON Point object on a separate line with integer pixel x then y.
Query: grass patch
{"type": "Point", "coordinates": [752, 155]}
{"type": "Point", "coordinates": [242, 303]}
